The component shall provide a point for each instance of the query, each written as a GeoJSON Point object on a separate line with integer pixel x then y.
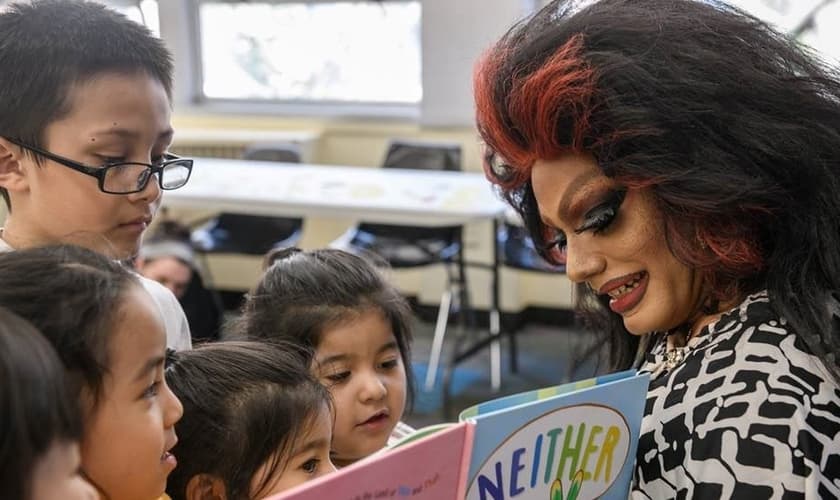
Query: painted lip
{"type": "Point", "coordinates": [614, 283]}
{"type": "Point", "coordinates": [631, 299]}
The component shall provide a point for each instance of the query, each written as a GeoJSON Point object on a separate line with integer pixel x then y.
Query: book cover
{"type": "Point", "coordinates": [431, 468]}
{"type": "Point", "coordinates": [574, 441]}
{"type": "Point", "coordinates": [571, 442]}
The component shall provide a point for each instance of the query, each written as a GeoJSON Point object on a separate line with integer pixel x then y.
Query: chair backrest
{"type": "Point", "coordinates": [419, 156]}
{"type": "Point", "coordinates": [286, 152]}
{"type": "Point", "coordinates": [257, 234]}
{"type": "Point", "coordinates": [516, 249]}
{"type": "Point", "coordinates": [423, 155]}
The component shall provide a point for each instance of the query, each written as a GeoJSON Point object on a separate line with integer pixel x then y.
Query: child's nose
{"type": "Point", "coordinates": [173, 409]}
{"type": "Point", "coordinates": [327, 469]}
{"type": "Point", "coordinates": [373, 389]}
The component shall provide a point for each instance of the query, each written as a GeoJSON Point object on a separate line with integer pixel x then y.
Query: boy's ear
{"type": "Point", "coordinates": [205, 487]}
{"type": "Point", "coordinates": [12, 176]}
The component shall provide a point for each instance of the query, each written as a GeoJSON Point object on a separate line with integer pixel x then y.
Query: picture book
{"type": "Point", "coordinates": [574, 441]}
{"type": "Point", "coordinates": [433, 467]}
{"type": "Point", "coordinates": [570, 442]}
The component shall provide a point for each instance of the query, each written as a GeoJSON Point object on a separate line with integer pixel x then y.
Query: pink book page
{"type": "Point", "coordinates": [431, 468]}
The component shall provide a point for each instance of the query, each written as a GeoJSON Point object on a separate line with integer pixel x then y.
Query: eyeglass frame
{"type": "Point", "coordinates": [100, 172]}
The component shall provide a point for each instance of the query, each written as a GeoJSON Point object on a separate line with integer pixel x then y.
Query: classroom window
{"type": "Point", "coordinates": [311, 51]}
{"type": "Point", "coordinates": [141, 11]}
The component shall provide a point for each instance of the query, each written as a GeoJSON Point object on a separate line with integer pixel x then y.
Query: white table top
{"type": "Point", "coordinates": [396, 196]}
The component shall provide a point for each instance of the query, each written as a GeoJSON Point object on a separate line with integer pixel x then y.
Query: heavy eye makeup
{"type": "Point", "coordinates": [597, 219]}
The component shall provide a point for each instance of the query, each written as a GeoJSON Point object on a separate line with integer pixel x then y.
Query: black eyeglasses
{"type": "Point", "coordinates": [127, 177]}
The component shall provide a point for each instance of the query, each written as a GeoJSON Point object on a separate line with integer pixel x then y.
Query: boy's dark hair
{"type": "Point", "coordinates": [37, 410]}
{"type": "Point", "coordinates": [49, 46]}
{"type": "Point", "coordinates": [302, 293]}
{"type": "Point", "coordinates": [733, 127]}
{"type": "Point", "coordinates": [71, 295]}
{"type": "Point", "coordinates": [245, 405]}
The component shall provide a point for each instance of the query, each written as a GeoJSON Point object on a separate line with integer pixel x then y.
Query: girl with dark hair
{"type": "Point", "coordinates": [109, 335]}
{"type": "Point", "coordinates": [682, 159]}
{"type": "Point", "coordinates": [339, 306]}
{"type": "Point", "coordinates": [255, 421]}
{"type": "Point", "coordinates": [39, 445]}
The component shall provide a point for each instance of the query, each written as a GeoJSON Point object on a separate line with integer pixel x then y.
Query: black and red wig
{"type": "Point", "coordinates": [734, 128]}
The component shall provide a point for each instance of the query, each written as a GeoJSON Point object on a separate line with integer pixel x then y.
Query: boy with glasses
{"type": "Point", "coordinates": [84, 131]}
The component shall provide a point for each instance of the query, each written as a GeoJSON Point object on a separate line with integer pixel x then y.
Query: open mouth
{"type": "Point", "coordinates": [627, 296]}
{"type": "Point", "coordinates": [376, 419]}
{"type": "Point", "coordinates": [628, 287]}
{"type": "Point", "coordinates": [168, 458]}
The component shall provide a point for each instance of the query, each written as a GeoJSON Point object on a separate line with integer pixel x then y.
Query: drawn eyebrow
{"type": "Point", "coordinates": [574, 186]}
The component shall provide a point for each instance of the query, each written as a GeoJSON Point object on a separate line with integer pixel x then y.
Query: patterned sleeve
{"type": "Point", "coordinates": [750, 414]}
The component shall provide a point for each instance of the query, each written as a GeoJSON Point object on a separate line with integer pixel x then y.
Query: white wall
{"type": "Point", "coordinates": [454, 34]}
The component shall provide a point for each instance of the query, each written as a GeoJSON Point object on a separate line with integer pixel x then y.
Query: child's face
{"type": "Point", "coordinates": [125, 450]}
{"type": "Point", "coordinates": [113, 117]}
{"type": "Point", "coordinates": [56, 475]}
{"type": "Point", "coordinates": [309, 459]}
{"type": "Point", "coordinates": [359, 361]}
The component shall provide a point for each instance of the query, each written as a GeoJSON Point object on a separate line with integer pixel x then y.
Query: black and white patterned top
{"type": "Point", "coordinates": [749, 413]}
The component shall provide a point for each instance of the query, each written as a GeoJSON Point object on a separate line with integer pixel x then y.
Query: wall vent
{"type": "Point", "coordinates": [220, 143]}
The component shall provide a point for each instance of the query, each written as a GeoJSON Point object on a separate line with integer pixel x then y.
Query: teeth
{"type": "Point", "coordinates": [618, 292]}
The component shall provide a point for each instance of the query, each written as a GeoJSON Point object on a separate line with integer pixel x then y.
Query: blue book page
{"type": "Point", "coordinates": [573, 446]}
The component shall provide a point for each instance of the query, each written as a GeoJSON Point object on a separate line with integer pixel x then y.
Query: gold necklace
{"type": "Point", "coordinates": [676, 356]}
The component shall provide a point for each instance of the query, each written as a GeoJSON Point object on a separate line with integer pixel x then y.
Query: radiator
{"type": "Point", "coordinates": [230, 143]}
{"type": "Point", "coordinates": [208, 150]}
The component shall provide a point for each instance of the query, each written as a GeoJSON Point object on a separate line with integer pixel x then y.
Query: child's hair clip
{"type": "Point", "coordinates": [170, 359]}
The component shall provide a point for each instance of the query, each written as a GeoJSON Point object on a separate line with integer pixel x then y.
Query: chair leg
{"type": "Point", "coordinates": [514, 362]}
{"type": "Point", "coordinates": [495, 352]}
{"type": "Point", "coordinates": [466, 311]}
{"type": "Point", "coordinates": [437, 341]}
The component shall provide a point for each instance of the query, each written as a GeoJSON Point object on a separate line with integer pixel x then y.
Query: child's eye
{"type": "Point", "coordinates": [152, 390]}
{"type": "Point", "coordinates": [338, 377]}
{"type": "Point", "coordinates": [391, 363]}
{"type": "Point", "coordinates": [311, 465]}
{"type": "Point", "coordinates": [110, 160]}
